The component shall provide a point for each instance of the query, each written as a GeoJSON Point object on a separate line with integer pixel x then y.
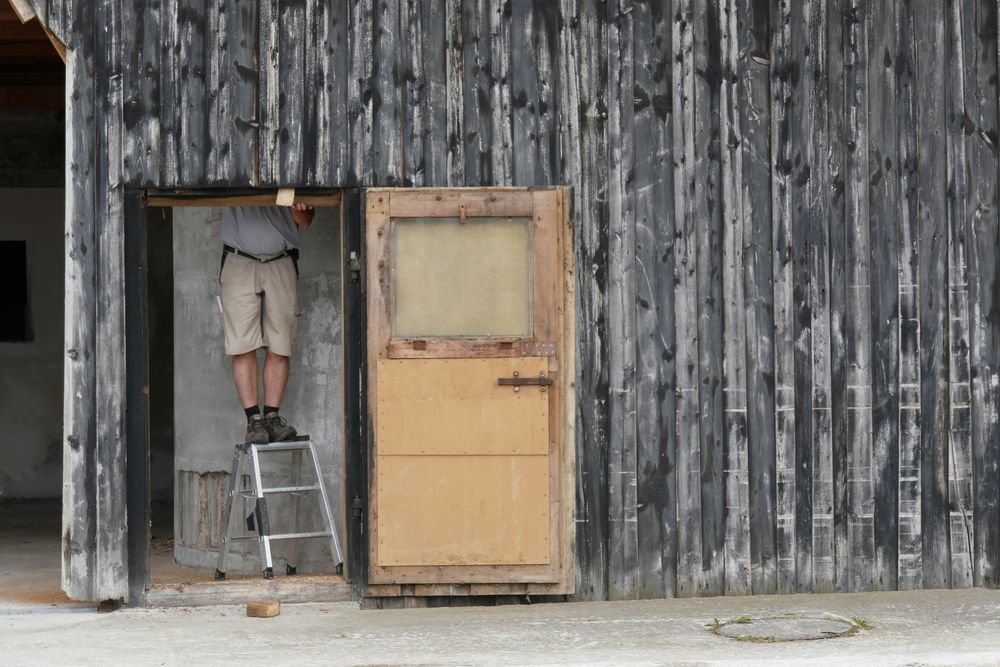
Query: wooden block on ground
{"type": "Point", "coordinates": [263, 608]}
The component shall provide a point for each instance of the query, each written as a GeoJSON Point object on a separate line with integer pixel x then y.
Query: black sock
{"type": "Point", "coordinates": [268, 409]}
{"type": "Point", "coordinates": [251, 411]}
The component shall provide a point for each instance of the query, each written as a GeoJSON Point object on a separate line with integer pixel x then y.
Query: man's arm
{"type": "Point", "coordinates": [303, 214]}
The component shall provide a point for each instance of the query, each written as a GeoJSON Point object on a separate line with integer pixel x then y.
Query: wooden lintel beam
{"type": "Point", "coordinates": [234, 198]}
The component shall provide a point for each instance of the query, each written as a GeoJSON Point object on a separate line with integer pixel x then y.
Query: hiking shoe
{"type": "Point", "coordinates": [278, 428]}
{"type": "Point", "coordinates": [257, 432]}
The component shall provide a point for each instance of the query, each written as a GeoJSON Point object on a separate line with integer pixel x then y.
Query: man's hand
{"type": "Point", "coordinates": [303, 214]}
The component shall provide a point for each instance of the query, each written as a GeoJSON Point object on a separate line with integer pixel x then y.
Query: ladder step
{"type": "Point", "coordinates": [291, 489]}
{"type": "Point", "coordinates": [295, 536]}
{"type": "Point", "coordinates": [282, 447]}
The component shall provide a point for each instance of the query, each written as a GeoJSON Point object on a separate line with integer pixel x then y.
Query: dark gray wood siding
{"type": "Point", "coordinates": [786, 229]}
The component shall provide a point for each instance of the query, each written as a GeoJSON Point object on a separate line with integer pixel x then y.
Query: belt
{"type": "Point", "coordinates": [287, 252]}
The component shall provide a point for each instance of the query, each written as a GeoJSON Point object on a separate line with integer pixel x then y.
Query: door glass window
{"type": "Point", "coordinates": [461, 279]}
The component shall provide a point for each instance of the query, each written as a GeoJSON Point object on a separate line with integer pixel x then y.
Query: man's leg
{"type": "Point", "coordinates": [275, 378]}
{"type": "Point", "coordinates": [245, 375]}
{"type": "Point", "coordinates": [279, 321]}
{"type": "Point", "coordinates": [275, 381]}
{"type": "Point", "coordinates": [241, 308]}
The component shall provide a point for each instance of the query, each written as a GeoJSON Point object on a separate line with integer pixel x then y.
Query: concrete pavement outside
{"type": "Point", "coordinates": [907, 628]}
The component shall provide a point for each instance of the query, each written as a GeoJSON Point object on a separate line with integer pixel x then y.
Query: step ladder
{"type": "Point", "coordinates": [246, 460]}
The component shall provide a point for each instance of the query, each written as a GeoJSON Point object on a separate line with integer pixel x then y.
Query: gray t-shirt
{"type": "Point", "coordinates": [259, 230]}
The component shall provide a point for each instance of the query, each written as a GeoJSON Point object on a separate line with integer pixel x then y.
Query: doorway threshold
{"type": "Point", "coordinates": [300, 588]}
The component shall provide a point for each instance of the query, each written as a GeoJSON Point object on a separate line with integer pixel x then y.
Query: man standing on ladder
{"type": "Point", "coordinates": [260, 306]}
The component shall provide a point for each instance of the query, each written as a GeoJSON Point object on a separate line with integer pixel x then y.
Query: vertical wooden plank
{"type": "Point", "coordinates": [425, 94]}
{"type": "Point", "coordinates": [269, 116]}
{"type": "Point", "coordinates": [836, 122]}
{"type": "Point", "coordinates": [360, 93]}
{"type": "Point", "coordinates": [755, 121]}
{"type": "Point", "coordinates": [655, 269]}
{"type": "Point", "coordinates": [690, 577]}
{"type": "Point", "coordinates": [959, 459]}
{"type": "Point", "coordinates": [231, 82]}
{"type": "Point", "coordinates": [929, 30]}
{"type": "Point", "coordinates": [533, 109]}
{"type": "Point", "coordinates": [325, 126]}
{"type": "Point", "coordinates": [707, 63]}
{"type": "Point", "coordinates": [192, 130]}
{"type": "Point", "coordinates": [737, 518]}
{"type": "Point", "coordinates": [283, 96]}
{"type": "Point", "coordinates": [79, 369]}
{"type": "Point", "coordinates": [623, 558]}
{"type": "Point", "coordinates": [980, 58]}
{"type": "Point", "coordinates": [860, 490]}
{"type": "Point", "coordinates": [455, 92]}
{"type": "Point", "coordinates": [801, 135]}
{"type": "Point", "coordinates": [387, 135]}
{"type": "Point", "coordinates": [170, 92]}
{"type": "Point", "coordinates": [111, 558]}
{"type": "Point", "coordinates": [141, 83]}
{"type": "Point", "coordinates": [883, 223]}
{"type": "Point", "coordinates": [476, 95]}
{"type": "Point", "coordinates": [415, 91]}
{"type": "Point", "coordinates": [784, 346]}
{"type": "Point", "coordinates": [500, 80]}
{"type": "Point", "coordinates": [817, 68]}
{"type": "Point", "coordinates": [910, 569]}
{"type": "Point", "coordinates": [583, 93]}
{"type": "Point", "coordinates": [59, 19]}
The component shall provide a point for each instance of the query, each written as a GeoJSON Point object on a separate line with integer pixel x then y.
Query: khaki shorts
{"type": "Point", "coordinates": [260, 304]}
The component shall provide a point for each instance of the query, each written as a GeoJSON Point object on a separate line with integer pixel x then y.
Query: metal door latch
{"type": "Point", "coordinates": [517, 381]}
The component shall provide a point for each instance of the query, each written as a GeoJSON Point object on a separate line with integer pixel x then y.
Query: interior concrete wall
{"type": "Point", "coordinates": [208, 417]}
{"type": "Point", "coordinates": [31, 373]}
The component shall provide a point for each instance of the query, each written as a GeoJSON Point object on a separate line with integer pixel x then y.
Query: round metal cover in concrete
{"type": "Point", "coordinates": [785, 628]}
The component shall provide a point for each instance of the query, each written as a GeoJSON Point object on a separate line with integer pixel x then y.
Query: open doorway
{"type": "Point", "coordinates": [32, 172]}
{"type": "Point", "coordinates": [195, 418]}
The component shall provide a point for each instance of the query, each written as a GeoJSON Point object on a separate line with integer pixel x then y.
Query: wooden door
{"type": "Point", "coordinates": [470, 376]}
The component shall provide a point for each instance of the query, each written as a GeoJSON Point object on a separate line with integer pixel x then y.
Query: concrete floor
{"type": "Point", "coordinates": [913, 628]}
{"type": "Point", "coordinates": [30, 550]}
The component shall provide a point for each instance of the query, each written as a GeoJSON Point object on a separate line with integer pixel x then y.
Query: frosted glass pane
{"type": "Point", "coordinates": [461, 280]}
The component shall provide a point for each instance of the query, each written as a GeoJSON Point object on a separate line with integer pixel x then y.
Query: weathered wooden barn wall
{"type": "Point", "coordinates": [787, 228]}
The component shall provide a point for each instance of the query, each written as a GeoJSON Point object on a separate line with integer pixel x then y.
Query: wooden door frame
{"type": "Point", "coordinates": [136, 203]}
{"type": "Point", "coordinates": [566, 419]}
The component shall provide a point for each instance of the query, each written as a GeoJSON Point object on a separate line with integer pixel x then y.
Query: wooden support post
{"type": "Point", "coordinates": [79, 512]}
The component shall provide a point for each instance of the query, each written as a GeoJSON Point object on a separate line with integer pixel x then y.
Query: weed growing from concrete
{"type": "Point", "coordinates": [755, 639]}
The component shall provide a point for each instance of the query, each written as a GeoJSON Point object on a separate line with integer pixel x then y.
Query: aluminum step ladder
{"type": "Point", "coordinates": [246, 460]}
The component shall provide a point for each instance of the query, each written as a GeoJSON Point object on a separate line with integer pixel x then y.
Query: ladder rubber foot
{"type": "Point", "coordinates": [290, 570]}
{"type": "Point", "coordinates": [219, 576]}
{"type": "Point", "coordinates": [269, 573]}
{"type": "Point", "coordinates": [339, 569]}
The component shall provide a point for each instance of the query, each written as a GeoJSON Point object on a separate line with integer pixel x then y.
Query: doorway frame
{"type": "Point", "coordinates": [137, 201]}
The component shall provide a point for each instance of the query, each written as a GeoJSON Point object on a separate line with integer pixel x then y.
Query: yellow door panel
{"type": "Point", "coordinates": [463, 510]}
{"type": "Point", "coordinates": [455, 406]}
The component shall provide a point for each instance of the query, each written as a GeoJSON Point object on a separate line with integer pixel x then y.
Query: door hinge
{"type": "Point", "coordinates": [354, 265]}
{"type": "Point", "coordinates": [357, 506]}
